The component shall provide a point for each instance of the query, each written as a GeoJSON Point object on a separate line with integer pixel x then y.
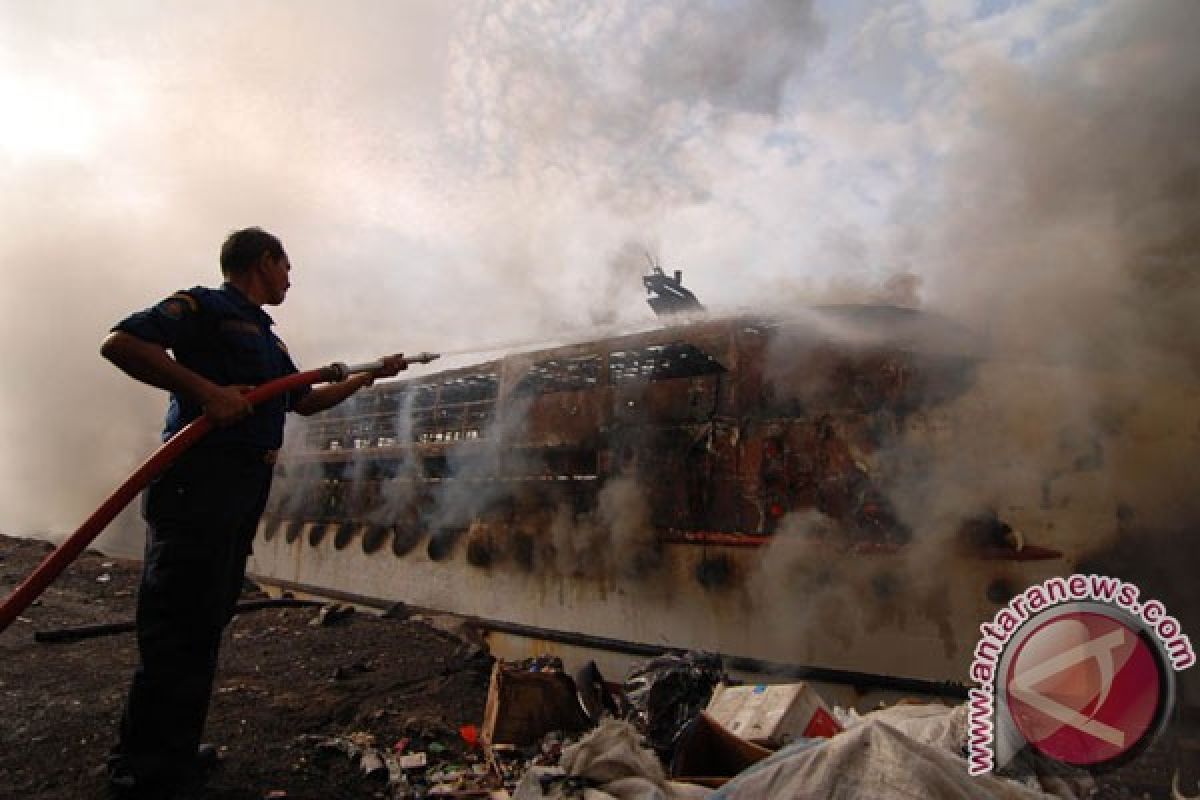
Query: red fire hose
{"type": "Point", "coordinates": [53, 565]}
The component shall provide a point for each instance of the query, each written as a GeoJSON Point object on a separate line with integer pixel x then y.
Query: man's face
{"type": "Point", "coordinates": [275, 278]}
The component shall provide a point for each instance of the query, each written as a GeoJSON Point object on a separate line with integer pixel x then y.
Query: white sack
{"type": "Point", "coordinates": [615, 764]}
{"type": "Point", "coordinates": [871, 760]}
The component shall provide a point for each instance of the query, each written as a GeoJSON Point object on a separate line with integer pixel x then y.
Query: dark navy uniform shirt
{"type": "Point", "coordinates": [221, 335]}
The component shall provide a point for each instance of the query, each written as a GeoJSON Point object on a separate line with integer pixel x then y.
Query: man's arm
{"type": "Point", "coordinates": [151, 364]}
{"type": "Point", "coordinates": [328, 396]}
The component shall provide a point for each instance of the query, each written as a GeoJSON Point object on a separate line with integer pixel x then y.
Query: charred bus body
{"type": "Point", "coordinates": [847, 493]}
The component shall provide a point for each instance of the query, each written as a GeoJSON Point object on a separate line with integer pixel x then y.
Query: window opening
{"type": "Point", "coordinates": [561, 375]}
{"type": "Point", "coordinates": [661, 362]}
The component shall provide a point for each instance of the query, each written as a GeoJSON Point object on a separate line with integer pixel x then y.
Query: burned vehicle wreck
{"type": "Point", "coordinates": [844, 494]}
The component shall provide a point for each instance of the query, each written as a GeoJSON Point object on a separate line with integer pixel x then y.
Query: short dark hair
{"type": "Point", "coordinates": [242, 249]}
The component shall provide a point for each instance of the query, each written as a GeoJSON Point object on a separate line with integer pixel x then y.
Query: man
{"type": "Point", "coordinates": [203, 511]}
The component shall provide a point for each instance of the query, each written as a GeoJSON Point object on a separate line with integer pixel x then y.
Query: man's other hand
{"type": "Point", "coordinates": [226, 405]}
{"type": "Point", "coordinates": [392, 365]}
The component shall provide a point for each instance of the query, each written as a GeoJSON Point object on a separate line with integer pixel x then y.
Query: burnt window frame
{"type": "Point", "coordinates": [661, 361]}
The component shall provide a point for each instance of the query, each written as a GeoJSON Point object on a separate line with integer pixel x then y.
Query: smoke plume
{"type": "Point", "coordinates": [423, 167]}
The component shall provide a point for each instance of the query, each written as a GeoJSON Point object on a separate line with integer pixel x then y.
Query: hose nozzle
{"type": "Point", "coordinates": [422, 358]}
{"type": "Point", "coordinates": [339, 371]}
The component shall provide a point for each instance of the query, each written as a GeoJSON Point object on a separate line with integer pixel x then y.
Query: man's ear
{"type": "Point", "coordinates": [262, 266]}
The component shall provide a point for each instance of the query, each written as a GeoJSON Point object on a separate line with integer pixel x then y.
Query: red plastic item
{"type": "Point", "coordinates": [470, 735]}
{"type": "Point", "coordinates": [53, 565]}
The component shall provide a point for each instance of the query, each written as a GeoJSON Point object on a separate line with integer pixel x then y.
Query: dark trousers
{"type": "Point", "coordinates": [201, 516]}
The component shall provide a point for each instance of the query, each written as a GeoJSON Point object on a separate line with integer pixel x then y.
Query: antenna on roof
{"type": "Point", "coordinates": [667, 294]}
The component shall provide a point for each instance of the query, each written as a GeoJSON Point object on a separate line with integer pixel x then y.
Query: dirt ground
{"type": "Point", "coordinates": [280, 678]}
{"type": "Point", "coordinates": [283, 685]}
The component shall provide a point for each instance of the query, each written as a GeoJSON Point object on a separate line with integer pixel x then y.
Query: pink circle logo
{"type": "Point", "coordinates": [1086, 688]}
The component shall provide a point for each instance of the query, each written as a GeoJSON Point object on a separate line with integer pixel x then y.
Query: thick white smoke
{"type": "Point", "coordinates": [424, 166]}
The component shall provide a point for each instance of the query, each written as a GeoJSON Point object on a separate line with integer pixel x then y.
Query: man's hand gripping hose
{"type": "Point", "coordinates": [58, 560]}
{"type": "Point", "coordinates": [342, 371]}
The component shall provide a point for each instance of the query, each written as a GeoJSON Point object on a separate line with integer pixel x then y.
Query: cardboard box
{"type": "Point", "coordinates": [772, 714]}
{"type": "Point", "coordinates": [523, 706]}
{"type": "Point", "coordinates": [709, 755]}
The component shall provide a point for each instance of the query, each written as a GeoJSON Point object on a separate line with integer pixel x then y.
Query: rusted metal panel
{"type": "Point", "coordinates": [694, 450]}
{"type": "Point", "coordinates": [568, 417]}
{"type": "Point", "coordinates": [723, 432]}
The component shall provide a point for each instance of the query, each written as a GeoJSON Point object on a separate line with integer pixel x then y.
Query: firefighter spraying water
{"type": "Point", "coordinates": [231, 382]}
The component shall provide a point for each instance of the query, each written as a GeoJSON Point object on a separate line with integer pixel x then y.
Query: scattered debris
{"type": "Point", "coordinates": [64, 701]}
{"type": "Point", "coordinates": [76, 634]}
{"type": "Point", "coordinates": [528, 700]}
{"type": "Point", "coordinates": [772, 715]}
{"type": "Point", "coordinates": [372, 763]}
{"type": "Point", "coordinates": [397, 611]}
{"type": "Point", "coordinates": [708, 754]}
{"type": "Point", "coordinates": [331, 614]}
{"type": "Point", "coordinates": [409, 718]}
{"type": "Point", "coordinates": [470, 735]}
{"type": "Point", "coordinates": [610, 762]}
{"type": "Point", "coordinates": [81, 632]}
{"type": "Point", "coordinates": [596, 695]}
{"type": "Point", "coordinates": [872, 759]}
{"type": "Point", "coordinates": [666, 692]}
{"type": "Point", "coordinates": [413, 761]}
{"type": "Point", "coordinates": [1176, 792]}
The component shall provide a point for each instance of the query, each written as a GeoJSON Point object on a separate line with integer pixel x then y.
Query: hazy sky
{"type": "Point", "coordinates": [455, 175]}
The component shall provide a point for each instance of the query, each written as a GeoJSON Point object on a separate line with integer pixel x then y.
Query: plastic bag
{"type": "Point", "coordinates": [666, 692]}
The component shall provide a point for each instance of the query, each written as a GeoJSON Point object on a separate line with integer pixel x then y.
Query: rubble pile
{"type": "Point", "coordinates": [683, 729]}
{"type": "Point", "coordinates": [416, 766]}
{"type": "Point", "coordinates": [324, 703]}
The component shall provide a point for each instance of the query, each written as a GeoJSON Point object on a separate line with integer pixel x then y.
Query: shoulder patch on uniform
{"type": "Point", "coordinates": [178, 304]}
{"type": "Point", "coordinates": [175, 306]}
{"type": "Point", "coordinates": [192, 302]}
{"type": "Point", "coordinates": [172, 308]}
